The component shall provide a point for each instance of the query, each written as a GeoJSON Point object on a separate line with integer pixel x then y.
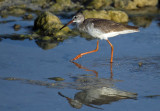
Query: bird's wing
{"type": "Point", "coordinates": [110, 26]}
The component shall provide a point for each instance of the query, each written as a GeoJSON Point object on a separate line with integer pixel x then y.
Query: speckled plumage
{"type": "Point", "coordinates": [107, 25]}
{"type": "Point", "coordinates": [103, 29]}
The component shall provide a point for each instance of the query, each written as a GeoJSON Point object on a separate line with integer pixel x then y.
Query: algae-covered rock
{"type": "Point", "coordinates": [19, 36]}
{"type": "Point", "coordinates": [49, 25]}
{"type": "Point", "coordinates": [144, 3]}
{"type": "Point", "coordinates": [117, 16]}
{"type": "Point", "coordinates": [99, 4]}
{"type": "Point", "coordinates": [64, 2]}
{"type": "Point", "coordinates": [125, 4]}
{"type": "Point", "coordinates": [60, 5]}
{"type": "Point", "coordinates": [2, 0]}
{"type": "Point", "coordinates": [46, 38]}
{"type": "Point", "coordinates": [40, 2]}
{"type": "Point", "coordinates": [13, 11]}
{"type": "Point", "coordinates": [96, 14]}
{"type": "Point", "coordinates": [28, 17]}
{"type": "Point", "coordinates": [134, 4]}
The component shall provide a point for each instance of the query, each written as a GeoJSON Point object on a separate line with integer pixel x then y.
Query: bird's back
{"type": "Point", "coordinates": [108, 25]}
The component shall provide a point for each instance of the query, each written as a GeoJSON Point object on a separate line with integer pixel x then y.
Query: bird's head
{"type": "Point", "coordinates": [78, 18]}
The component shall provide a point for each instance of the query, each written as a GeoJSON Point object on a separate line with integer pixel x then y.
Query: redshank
{"type": "Point", "coordinates": [100, 28]}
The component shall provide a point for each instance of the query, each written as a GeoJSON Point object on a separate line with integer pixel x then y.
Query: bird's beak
{"type": "Point", "coordinates": [67, 24]}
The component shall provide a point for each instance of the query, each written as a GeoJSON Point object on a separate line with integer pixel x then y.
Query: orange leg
{"type": "Point", "coordinates": [111, 51]}
{"type": "Point", "coordinates": [80, 55]}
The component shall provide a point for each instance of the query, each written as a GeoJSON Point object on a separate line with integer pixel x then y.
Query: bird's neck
{"type": "Point", "coordinates": [79, 25]}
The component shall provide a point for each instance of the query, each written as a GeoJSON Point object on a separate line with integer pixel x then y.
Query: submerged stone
{"type": "Point", "coordinates": [16, 27]}
{"type": "Point", "coordinates": [56, 78]}
{"type": "Point", "coordinates": [140, 64]}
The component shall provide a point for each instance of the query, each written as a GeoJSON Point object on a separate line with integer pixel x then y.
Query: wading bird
{"type": "Point", "coordinates": [100, 28]}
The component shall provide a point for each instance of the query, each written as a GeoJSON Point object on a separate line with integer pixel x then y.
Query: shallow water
{"type": "Point", "coordinates": [25, 68]}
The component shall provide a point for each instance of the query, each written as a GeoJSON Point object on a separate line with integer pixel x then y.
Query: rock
{"type": "Point", "coordinates": [49, 25]}
{"type": "Point", "coordinates": [60, 5]}
{"type": "Point", "coordinates": [96, 14]}
{"type": "Point", "coordinates": [39, 2]}
{"type": "Point", "coordinates": [16, 27]}
{"type": "Point", "coordinates": [28, 17]}
{"type": "Point", "coordinates": [13, 11]}
{"type": "Point", "coordinates": [2, 0]}
{"type": "Point", "coordinates": [99, 4]}
{"type": "Point", "coordinates": [46, 38]}
{"type": "Point", "coordinates": [45, 19]}
{"type": "Point", "coordinates": [134, 4]}
{"type": "Point", "coordinates": [144, 3]}
{"type": "Point", "coordinates": [125, 4]}
{"type": "Point", "coordinates": [19, 36]}
{"type": "Point", "coordinates": [117, 16]}
{"type": "Point", "coordinates": [64, 2]}
{"type": "Point", "coordinates": [140, 64]}
{"type": "Point", "coordinates": [56, 78]}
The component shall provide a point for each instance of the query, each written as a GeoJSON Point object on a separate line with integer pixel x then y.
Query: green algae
{"type": "Point", "coordinates": [96, 14]}
{"type": "Point", "coordinates": [61, 5]}
{"type": "Point", "coordinates": [49, 24]}
{"type": "Point", "coordinates": [99, 4]}
{"type": "Point", "coordinates": [57, 78]}
{"type": "Point", "coordinates": [28, 17]}
{"type": "Point", "coordinates": [117, 16]}
{"type": "Point", "coordinates": [134, 4]}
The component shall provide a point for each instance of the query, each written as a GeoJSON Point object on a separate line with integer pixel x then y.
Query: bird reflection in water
{"type": "Point", "coordinates": [97, 91]}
